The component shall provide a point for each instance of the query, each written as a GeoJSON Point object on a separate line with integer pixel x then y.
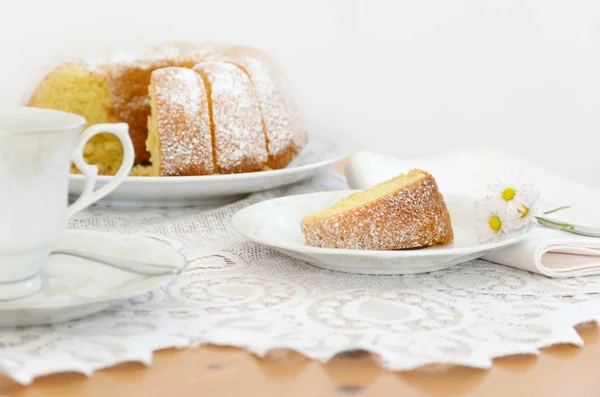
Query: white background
{"type": "Point", "coordinates": [405, 78]}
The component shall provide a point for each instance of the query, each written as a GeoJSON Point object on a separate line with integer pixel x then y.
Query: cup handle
{"type": "Point", "coordinates": [89, 196]}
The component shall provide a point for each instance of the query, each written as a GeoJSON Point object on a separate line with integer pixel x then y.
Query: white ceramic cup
{"type": "Point", "coordinates": [37, 147]}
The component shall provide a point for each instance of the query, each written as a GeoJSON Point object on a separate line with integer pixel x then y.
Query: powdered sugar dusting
{"type": "Point", "coordinates": [182, 90]}
{"type": "Point", "coordinates": [238, 134]}
{"type": "Point", "coordinates": [183, 122]}
{"type": "Point", "coordinates": [143, 56]}
{"type": "Point", "coordinates": [285, 133]}
{"type": "Point", "coordinates": [411, 217]}
{"type": "Point", "coordinates": [189, 54]}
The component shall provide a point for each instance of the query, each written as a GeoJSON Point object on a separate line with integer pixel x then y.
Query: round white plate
{"type": "Point", "coordinates": [74, 287]}
{"type": "Point", "coordinates": [318, 154]}
{"type": "Point", "coordinates": [275, 223]}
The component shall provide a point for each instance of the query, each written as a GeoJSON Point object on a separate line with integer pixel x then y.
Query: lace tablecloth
{"type": "Point", "coordinates": [241, 294]}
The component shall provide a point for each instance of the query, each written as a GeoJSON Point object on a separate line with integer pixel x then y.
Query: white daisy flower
{"type": "Point", "coordinates": [515, 189]}
{"type": "Point", "coordinates": [493, 220]}
{"type": "Point", "coordinates": [527, 210]}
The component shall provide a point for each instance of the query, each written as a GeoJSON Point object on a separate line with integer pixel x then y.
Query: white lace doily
{"type": "Point", "coordinates": [241, 294]}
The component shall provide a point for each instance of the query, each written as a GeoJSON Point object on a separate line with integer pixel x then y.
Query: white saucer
{"type": "Point", "coordinates": [275, 223]}
{"type": "Point", "coordinates": [212, 190]}
{"type": "Point", "coordinates": [74, 287]}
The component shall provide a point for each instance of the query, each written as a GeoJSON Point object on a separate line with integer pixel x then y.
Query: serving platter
{"type": "Point", "coordinates": [319, 154]}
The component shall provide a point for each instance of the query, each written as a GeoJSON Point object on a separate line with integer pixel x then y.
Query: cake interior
{"type": "Point", "coordinates": [366, 196]}
{"type": "Point", "coordinates": [76, 90]}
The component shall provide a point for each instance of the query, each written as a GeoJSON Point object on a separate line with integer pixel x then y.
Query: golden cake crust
{"type": "Point", "coordinates": [413, 216]}
{"type": "Point", "coordinates": [129, 99]}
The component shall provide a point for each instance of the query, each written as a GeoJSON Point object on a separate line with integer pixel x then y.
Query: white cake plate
{"type": "Point", "coordinates": [73, 287]}
{"type": "Point", "coordinates": [215, 190]}
{"type": "Point", "coordinates": [276, 223]}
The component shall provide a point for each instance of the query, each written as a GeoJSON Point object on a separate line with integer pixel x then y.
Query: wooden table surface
{"type": "Point", "coordinates": [560, 371]}
{"type": "Point", "coordinates": [211, 371]}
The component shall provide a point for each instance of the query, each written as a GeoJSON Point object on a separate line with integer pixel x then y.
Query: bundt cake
{"type": "Point", "coordinates": [125, 89]}
{"type": "Point", "coordinates": [407, 211]}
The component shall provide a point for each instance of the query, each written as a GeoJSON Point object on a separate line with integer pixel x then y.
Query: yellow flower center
{"type": "Point", "coordinates": [508, 193]}
{"type": "Point", "coordinates": [495, 223]}
{"type": "Point", "coordinates": [524, 212]}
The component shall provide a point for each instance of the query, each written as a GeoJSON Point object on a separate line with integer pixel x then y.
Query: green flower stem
{"type": "Point", "coordinates": [564, 207]}
{"type": "Point", "coordinates": [553, 224]}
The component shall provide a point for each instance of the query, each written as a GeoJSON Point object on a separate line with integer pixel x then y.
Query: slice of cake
{"type": "Point", "coordinates": [179, 136]}
{"type": "Point", "coordinates": [407, 211]}
{"type": "Point", "coordinates": [238, 138]}
{"type": "Point", "coordinates": [286, 134]}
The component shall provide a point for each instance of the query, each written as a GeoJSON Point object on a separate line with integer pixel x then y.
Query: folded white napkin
{"type": "Point", "coordinates": [549, 252]}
